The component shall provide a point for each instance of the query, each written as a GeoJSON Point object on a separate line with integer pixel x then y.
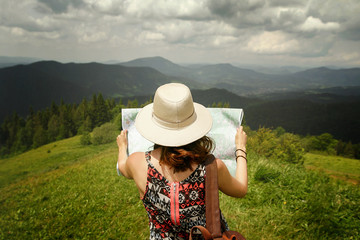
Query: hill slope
{"type": "Point", "coordinates": [74, 192]}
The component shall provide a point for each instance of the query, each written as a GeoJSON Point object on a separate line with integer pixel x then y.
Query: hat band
{"type": "Point", "coordinates": [174, 125]}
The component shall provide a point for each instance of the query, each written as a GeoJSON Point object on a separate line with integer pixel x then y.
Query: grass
{"type": "Point", "coordinates": [82, 200]}
{"type": "Point", "coordinates": [337, 167]}
{"type": "Point", "coordinates": [44, 159]}
{"type": "Point", "coordinates": [76, 194]}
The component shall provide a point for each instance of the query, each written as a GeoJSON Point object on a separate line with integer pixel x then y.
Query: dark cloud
{"type": "Point", "coordinates": [61, 6]}
{"type": "Point", "coordinates": [286, 3]}
{"type": "Point", "coordinates": [285, 20]}
{"type": "Point", "coordinates": [352, 32]}
{"type": "Point", "coordinates": [229, 9]}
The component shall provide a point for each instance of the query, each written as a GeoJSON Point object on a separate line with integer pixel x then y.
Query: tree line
{"type": "Point", "coordinates": [62, 121]}
{"type": "Point", "coordinates": [57, 122]}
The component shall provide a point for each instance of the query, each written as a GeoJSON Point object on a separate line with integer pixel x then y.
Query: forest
{"type": "Point", "coordinates": [18, 134]}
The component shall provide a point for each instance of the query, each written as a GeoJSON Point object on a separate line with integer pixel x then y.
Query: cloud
{"type": "Point", "coordinates": [315, 24]}
{"type": "Point", "coordinates": [302, 29]}
{"type": "Point", "coordinates": [233, 8]}
{"type": "Point", "coordinates": [273, 43]}
{"type": "Point", "coordinates": [287, 3]}
{"type": "Point", "coordinates": [61, 6]}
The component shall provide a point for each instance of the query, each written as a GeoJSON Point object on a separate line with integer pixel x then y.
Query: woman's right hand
{"type": "Point", "coordinates": [240, 139]}
{"type": "Point", "coordinates": [122, 140]}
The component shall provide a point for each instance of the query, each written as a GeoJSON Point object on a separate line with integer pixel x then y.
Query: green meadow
{"type": "Point", "coordinates": [65, 190]}
{"type": "Point", "coordinates": [338, 167]}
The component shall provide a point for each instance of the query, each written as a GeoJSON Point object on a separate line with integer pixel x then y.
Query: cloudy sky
{"type": "Point", "coordinates": [262, 32]}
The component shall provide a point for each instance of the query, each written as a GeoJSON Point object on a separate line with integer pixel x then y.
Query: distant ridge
{"type": "Point", "coordinates": [249, 82]}
{"type": "Point", "coordinates": [161, 64]}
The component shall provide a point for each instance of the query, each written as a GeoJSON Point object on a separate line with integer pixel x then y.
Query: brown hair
{"type": "Point", "coordinates": [181, 158]}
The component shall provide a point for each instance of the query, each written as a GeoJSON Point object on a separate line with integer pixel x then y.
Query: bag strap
{"type": "Point", "coordinates": [205, 233]}
{"type": "Point", "coordinates": [212, 198]}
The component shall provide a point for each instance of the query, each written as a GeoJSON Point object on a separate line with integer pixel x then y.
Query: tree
{"type": "Point", "coordinates": [349, 150]}
{"type": "Point", "coordinates": [103, 114]}
{"type": "Point", "coordinates": [132, 104]}
{"type": "Point", "coordinates": [324, 142]}
{"type": "Point", "coordinates": [39, 138]}
{"type": "Point", "coordinates": [53, 127]}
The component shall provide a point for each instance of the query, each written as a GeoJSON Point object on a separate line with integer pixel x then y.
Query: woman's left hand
{"type": "Point", "coordinates": [122, 140]}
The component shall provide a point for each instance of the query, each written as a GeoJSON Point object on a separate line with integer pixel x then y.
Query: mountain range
{"type": "Point", "coordinates": [269, 100]}
{"type": "Point", "coordinates": [248, 82]}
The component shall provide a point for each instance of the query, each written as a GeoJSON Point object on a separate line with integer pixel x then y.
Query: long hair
{"type": "Point", "coordinates": [181, 158]}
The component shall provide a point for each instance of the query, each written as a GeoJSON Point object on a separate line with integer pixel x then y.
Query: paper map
{"type": "Point", "coordinates": [225, 122]}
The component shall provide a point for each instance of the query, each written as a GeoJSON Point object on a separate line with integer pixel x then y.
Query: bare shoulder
{"type": "Point", "coordinates": [136, 164]}
{"type": "Point", "coordinates": [136, 157]}
{"type": "Point", "coordinates": [220, 165]}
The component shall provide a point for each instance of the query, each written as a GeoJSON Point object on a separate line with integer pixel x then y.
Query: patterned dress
{"type": "Point", "coordinates": [174, 208]}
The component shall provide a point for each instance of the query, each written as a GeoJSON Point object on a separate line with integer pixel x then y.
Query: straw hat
{"type": "Point", "coordinates": [173, 119]}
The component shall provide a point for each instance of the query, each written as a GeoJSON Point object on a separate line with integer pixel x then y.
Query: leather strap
{"type": "Point", "coordinates": [212, 198]}
{"type": "Point", "coordinates": [205, 233]}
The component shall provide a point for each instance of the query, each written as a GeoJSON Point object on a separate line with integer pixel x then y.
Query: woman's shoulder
{"type": "Point", "coordinates": [135, 158]}
{"type": "Point", "coordinates": [137, 155]}
{"type": "Point", "coordinates": [222, 168]}
{"type": "Point", "coordinates": [137, 164]}
{"type": "Point", "coordinates": [220, 164]}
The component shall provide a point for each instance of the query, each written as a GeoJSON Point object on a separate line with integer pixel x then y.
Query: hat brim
{"type": "Point", "coordinates": [150, 130]}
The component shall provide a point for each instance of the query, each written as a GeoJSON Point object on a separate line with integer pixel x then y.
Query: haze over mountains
{"type": "Point", "coordinates": [38, 84]}
{"type": "Point", "coordinates": [248, 82]}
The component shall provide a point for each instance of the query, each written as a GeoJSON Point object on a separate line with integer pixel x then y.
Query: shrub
{"type": "Point", "coordinates": [85, 138]}
{"type": "Point", "coordinates": [287, 147]}
{"type": "Point", "coordinates": [118, 121]}
{"type": "Point", "coordinates": [106, 133]}
{"type": "Point", "coordinates": [263, 142]}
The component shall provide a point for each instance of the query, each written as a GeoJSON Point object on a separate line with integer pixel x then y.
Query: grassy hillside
{"type": "Point", "coordinates": [64, 190]}
{"type": "Point", "coordinates": [335, 166]}
{"type": "Point", "coordinates": [82, 199]}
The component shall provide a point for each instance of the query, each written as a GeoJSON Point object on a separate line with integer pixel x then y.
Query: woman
{"type": "Point", "coordinates": [171, 178]}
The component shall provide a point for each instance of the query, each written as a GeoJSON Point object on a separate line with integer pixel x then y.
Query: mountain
{"type": "Point", "coordinates": [319, 95]}
{"type": "Point", "coordinates": [320, 77]}
{"type": "Point", "coordinates": [110, 80]}
{"type": "Point", "coordinates": [23, 86]}
{"type": "Point", "coordinates": [159, 63]}
{"type": "Point", "coordinates": [39, 83]}
{"type": "Point", "coordinates": [249, 82]}
{"type": "Point", "coordinates": [341, 119]}
{"type": "Point", "coordinates": [311, 101]}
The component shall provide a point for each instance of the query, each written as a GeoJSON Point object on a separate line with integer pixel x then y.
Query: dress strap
{"type": "Point", "coordinates": [148, 157]}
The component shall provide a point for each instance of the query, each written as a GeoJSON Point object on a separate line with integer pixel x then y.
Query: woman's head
{"type": "Point", "coordinates": [173, 119]}
{"type": "Point", "coordinates": [181, 158]}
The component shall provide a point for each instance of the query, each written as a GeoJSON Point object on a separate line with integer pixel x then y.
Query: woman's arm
{"type": "Point", "coordinates": [123, 157]}
{"type": "Point", "coordinates": [235, 186]}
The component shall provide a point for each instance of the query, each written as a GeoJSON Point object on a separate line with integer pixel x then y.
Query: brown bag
{"type": "Point", "coordinates": [213, 224]}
